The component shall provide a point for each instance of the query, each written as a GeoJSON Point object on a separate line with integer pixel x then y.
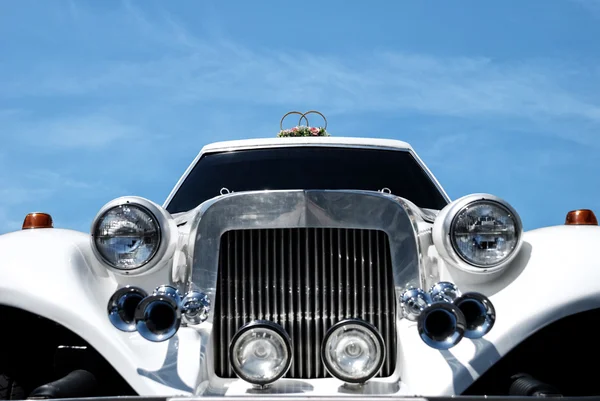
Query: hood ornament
{"type": "Point", "coordinates": [303, 130]}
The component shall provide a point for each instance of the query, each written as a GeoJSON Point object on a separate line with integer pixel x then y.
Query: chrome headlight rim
{"type": "Point", "coordinates": [275, 328]}
{"type": "Point", "coordinates": [165, 225]}
{"type": "Point", "coordinates": [501, 205]}
{"type": "Point", "coordinates": [159, 230]}
{"type": "Point", "coordinates": [373, 330]}
{"type": "Point", "coordinates": [444, 226]}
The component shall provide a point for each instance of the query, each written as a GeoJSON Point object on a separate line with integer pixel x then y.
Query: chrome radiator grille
{"type": "Point", "coordinates": [306, 280]}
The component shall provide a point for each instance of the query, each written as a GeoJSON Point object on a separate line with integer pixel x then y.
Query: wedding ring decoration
{"type": "Point", "coordinates": [300, 129]}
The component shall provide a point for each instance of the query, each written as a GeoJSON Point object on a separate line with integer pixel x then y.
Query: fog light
{"type": "Point", "coordinates": [261, 352]}
{"type": "Point", "coordinates": [353, 351]}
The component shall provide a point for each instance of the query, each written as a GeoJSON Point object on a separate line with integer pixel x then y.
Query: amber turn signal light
{"type": "Point", "coordinates": [581, 217]}
{"type": "Point", "coordinates": [37, 220]}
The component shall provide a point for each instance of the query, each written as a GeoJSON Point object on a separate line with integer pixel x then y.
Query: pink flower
{"type": "Point", "coordinates": [294, 129]}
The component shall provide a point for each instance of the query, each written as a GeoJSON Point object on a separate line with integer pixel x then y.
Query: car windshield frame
{"type": "Point", "coordinates": [203, 171]}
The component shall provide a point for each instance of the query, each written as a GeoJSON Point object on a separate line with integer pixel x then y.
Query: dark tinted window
{"type": "Point", "coordinates": [307, 168]}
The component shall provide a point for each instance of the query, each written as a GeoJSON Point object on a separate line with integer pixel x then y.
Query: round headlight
{"type": "Point", "coordinates": [127, 236]}
{"type": "Point", "coordinates": [261, 352]}
{"type": "Point", "coordinates": [485, 233]}
{"type": "Point", "coordinates": [353, 351]}
{"type": "Point", "coordinates": [478, 233]}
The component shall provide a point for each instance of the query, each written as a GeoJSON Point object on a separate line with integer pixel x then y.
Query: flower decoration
{"type": "Point", "coordinates": [302, 130]}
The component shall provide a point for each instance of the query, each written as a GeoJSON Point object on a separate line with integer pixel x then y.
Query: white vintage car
{"type": "Point", "coordinates": [301, 267]}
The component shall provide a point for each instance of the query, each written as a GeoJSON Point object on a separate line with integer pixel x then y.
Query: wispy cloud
{"type": "Point", "coordinates": [202, 72]}
{"type": "Point", "coordinates": [593, 6]}
{"type": "Point", "coordinates": [391, 82]}
{"type": "Point", "coordinates": [85, 132]}
{"type": "Point", "coordinates": [52, 179]}
{"type": "Point", "coordinates": [93, 131]}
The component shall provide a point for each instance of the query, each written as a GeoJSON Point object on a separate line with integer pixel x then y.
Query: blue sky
{"type": "Point", "coordinates": [100, 99]}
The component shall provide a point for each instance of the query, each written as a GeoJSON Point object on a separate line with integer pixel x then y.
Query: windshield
{"type": "Point", "coordinates": [307, 168]}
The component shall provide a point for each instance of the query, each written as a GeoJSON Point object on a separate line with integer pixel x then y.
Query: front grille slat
{"type": "Point", "coordinates": [315, 321]}
{"type": "Point", "coordinates": [386, 320]}
{"type": "Point", "coordinates": [363, 305]}
{"type": "Point", "coordinates": [306, 280]}
{"type": "Point", "coordinates": [296, 255]}
{"type": "Point", "coordinates": [230, 309]}
{"type": "Point", "coordinates": [307, 319]}
{"type": "Point", "coordinates": [251, 272]}
{"type": "Point", "coordinates": [378, 321]}
{"type": "Point", "coordinates": [370, 270]}
{"type": "Point", "coordinates": [259, 276]}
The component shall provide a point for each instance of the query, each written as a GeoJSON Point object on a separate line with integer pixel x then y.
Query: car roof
{"type": "Point", "coordinates": [305, 141]}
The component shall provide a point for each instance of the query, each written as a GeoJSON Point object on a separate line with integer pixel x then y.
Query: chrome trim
{"type": "Point", "coordinates": [195, 307]}
{"type": "Point", "coordinates": [300, 209]}
{"type": "Point", "coordinates": [285, 142]}
{"type": "Point", "coordinates": [423, 214]}
{"type": "Point", "coordinates": [444, 291]}
{"type": "Point", "coordinates": [441, 325]}
{"type": "Point", "coordinates": [430, 269]}
{"type": "Point", "coordinates": [166, 227]}
{"type": "Point", "coordinates": [479, 313]}
{"type": "Point", "coordinates": [270, 326]}
{"type": "Point", "coordinates": [415, 216]}
{"type": "Point", "coordinates": [442, 231]}
{"type": "Point", "coordinates": [413, 302]}
{"type": "Point", "coordinates": [366, 326]}
{"type": "Point", "coordinates": [422, 220]}
{"type": "Point", "coordinates": [429, 215]}
{"type": "Point", "coordinates": [158, 316]}
{"type": "Point", "coordinates": [122, 305]}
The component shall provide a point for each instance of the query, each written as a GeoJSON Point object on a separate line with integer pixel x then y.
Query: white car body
{"type": "Point", "coordinates": [56, 274]}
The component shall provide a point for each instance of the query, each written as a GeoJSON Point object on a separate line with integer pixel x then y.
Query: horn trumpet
{"type": "Point", "coordinates": [479, 312]}
{"type": "Point", "coordinates": [441, 325]}
{"type": "Point", "coordinates": [444, 315]}
{"type": "Point", "coordinates": [122, 305]}
{"type": "Point", "coordinates": [158, 316]}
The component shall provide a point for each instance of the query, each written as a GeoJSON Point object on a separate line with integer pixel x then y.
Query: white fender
{"type": "Point", "coordinates": [53, 273]}
{"type": "Point", "coordinates": [556, 274]}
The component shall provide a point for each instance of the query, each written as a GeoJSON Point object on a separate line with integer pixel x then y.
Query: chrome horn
{"type": "Point", "coordinates": [479, 312]}
{"type": "Point", "coordinates": [158, 316]}
{"type": "Point", "coordinates": [413, 302]}
{"type": "Point", "coordinates": [196, 307]}
{"type": "Point", "coordinates": [122, 305]}
{"type": "Point", "coordinates": [441, 325]}
{"type": "Point", "coordinates": [444, 315]}
{"type": "Point", "coordinates": [444, 291]}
